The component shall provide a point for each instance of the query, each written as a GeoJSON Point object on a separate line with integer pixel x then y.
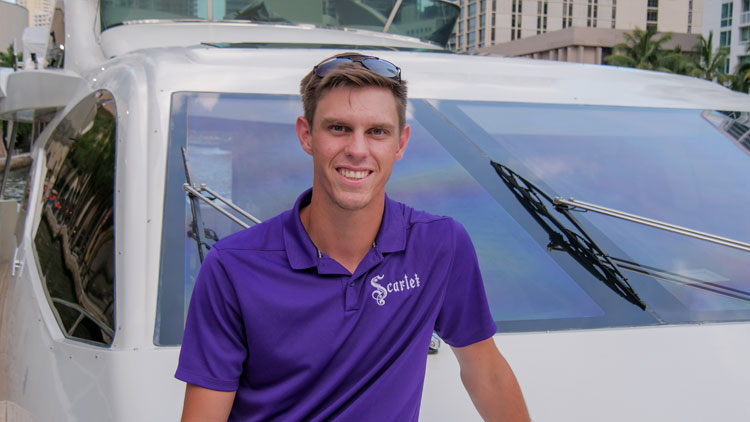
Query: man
{"type": "Point", "coordinates": [326, 311]}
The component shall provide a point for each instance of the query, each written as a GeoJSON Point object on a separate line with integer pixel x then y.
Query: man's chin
{"type": "Point", "coordinates": [353, 202]}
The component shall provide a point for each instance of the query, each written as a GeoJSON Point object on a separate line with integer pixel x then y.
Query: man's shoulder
{"type": "Point", "coordinates": [265, 236]}
{"type": "Point", "coordinates": [428, 223]}
{"type": "Point", "coordinates": [414, 217]}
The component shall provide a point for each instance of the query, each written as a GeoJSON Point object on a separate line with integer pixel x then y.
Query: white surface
{"type": "Point", "coordinates": [35, 40]}
{"type": "Point", "coordinates": [11, 412]}
{"type": "Point", "coordinates": [40, 90]}
{"type": "Point", "coordinates": [674, 373]}
{"type": "Point", "coordinates": [122, 39]}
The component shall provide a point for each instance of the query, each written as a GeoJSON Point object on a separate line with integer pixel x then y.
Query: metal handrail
{"type": "Point", "coordinates": [196, 191]}
{"type": "Point", "coordinates": [653, 223]}
{"type": "Point", "coordinates": [229, 203]}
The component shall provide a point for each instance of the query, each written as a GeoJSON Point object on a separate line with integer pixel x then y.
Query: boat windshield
{"type": "Point", "coordinates": [429, 20]}
{"type": "Point", "coordinates": [677, 166]}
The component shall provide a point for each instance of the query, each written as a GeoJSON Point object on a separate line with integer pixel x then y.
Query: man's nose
{"type": "Point", "coordinates": [357, 145]}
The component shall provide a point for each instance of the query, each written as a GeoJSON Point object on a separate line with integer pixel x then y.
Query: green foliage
{"type": "Point", "coordinates": [740, 79]}
{"type": "Point", "coordinates": [6, 58]}
{"type": "Point", "coordinates": [708, 62]}
{"type": "Point", "coordinates": [23, 135]}
{"type": "Point", "coordinates": [643, 51]}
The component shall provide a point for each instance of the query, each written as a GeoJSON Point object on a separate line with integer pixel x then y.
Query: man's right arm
{"type": "Point", "coordinates": [204, 405]}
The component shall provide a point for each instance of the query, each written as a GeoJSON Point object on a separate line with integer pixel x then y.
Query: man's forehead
{"type": "Point", "coordinates": [369, 103]}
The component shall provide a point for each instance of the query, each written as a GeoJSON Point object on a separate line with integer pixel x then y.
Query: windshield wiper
{"type": "Point", "coordinates": [682, 279]}
{"type": "Point", "coordinates": [581, 247]}
{"type": "Point", "coordinates": [573, 204]}
{"type": "Point", "coordinates": [198, 231]}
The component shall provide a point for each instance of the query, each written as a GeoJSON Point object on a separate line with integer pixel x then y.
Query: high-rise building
{"type": "Point", "coordinates": [40, 11]}
{"type": "Point", "coordinates": [729, 20]}
{"type": "Point", "coordinates": [488, 22]}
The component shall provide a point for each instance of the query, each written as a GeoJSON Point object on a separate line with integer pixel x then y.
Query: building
{"type": "Point", "coordinates": [13, 20]}
{"type": "Point", "coordinates": [729, 20]}
{"type": "Point", "coordinates": [576, 44]}
{"type": "Point", "coordinates": [40, 11]}
{"type": "Point", "coordinates": [486, 23]}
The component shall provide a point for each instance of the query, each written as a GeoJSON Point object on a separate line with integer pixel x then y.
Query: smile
{"type": "Point", "coordinates": [354, 174]}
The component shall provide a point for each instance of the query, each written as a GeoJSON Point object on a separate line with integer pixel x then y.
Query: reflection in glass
{"type": "Point", "coordinates": [430, 20]}
{"type": "Point", "coordinates": [673, 166]}
{"type": "Point", "coordinates": [75, 238]}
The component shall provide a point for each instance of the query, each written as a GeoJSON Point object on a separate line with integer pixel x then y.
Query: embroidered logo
{"type": "Point", "coordinates": [404, 284]}
{"type": "Point", "coordinates": [380, 292]}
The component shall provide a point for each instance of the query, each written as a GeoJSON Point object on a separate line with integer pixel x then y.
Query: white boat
{"type": "Point", "coordinates": [99, 260]}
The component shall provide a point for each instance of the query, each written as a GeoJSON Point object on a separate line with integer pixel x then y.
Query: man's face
{"type": "Point", "coordinates": [354, 141]}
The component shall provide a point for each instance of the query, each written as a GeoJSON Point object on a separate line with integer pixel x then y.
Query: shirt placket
{"type": "Point", "coordinates": [353, 289]}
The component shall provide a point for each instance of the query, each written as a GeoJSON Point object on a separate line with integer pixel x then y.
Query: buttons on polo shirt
{"type": "Point", "coordinates": [353, 293]}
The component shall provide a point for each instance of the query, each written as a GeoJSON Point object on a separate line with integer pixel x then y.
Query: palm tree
{"type": "Point", "coordinates": [6, 59]}
{"type": "Point", "coordinates": [641, 50]}
{"type": "Point", "coordinates": [741, 77]}
{"type": "Point", "coordinates": [708, 63]}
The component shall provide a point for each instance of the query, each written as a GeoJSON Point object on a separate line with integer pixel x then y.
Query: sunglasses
{"type": "Point", "coordinates": [375, 64]}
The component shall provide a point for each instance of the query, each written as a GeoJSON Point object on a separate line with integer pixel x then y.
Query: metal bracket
{"type": "Point", "coordinates": [17, 264]}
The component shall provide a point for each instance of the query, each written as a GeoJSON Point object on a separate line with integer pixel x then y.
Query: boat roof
{"type": "Point", "coordinates": [277, 69]}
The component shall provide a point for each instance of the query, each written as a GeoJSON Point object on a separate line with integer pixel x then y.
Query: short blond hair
{"type": "Point", "coordinates": [312, 86]}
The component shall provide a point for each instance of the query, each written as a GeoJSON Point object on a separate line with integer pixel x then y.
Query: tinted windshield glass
{"type": "Point", "coordinates": [669, 165]}
{"type": "Point", "coordinates": [430, 20]}
{"type": "Point", "coordinates": [674, 165]}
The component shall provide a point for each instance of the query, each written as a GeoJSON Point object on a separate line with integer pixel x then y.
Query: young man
{"type": "Point", "coordinates": [326, 311]}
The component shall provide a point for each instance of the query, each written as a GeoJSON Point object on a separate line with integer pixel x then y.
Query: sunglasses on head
{"type": "Point", "coordinates": [375, 64]}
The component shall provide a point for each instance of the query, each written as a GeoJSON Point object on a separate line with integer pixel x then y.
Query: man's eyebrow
{"type": "Point", "coordinates": [332, 121]}
{"type": "Point", "coordinates": [327, 121]}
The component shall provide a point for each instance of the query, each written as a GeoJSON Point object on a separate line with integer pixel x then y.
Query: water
{"type": "Point", "coordinates": [16, 183]}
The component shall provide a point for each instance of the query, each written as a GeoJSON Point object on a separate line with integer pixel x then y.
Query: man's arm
{"type": "Point", "coordinates": [204, 405]}
{"type": "Point", "coordinates": [490, 382]}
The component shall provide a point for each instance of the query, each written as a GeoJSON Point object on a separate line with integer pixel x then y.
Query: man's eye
{"type": "Point", "coordinates": [337, 128]}
{"type": "Point", "coordinates": [378, 132]}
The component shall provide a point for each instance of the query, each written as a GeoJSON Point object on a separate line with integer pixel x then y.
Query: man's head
{"type": "Point", "coordinates": [352, 70]}
{"type": "Point", "coordinates": [353, 128]}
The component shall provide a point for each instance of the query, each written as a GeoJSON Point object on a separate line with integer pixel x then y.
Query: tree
{"type": "Point", "coordinates": [641, 50]}
{"type": "Point", "coordinates": [6, 59]}
{"type": "Point", "coordinates": [708, 63]}
{"type": "Point", "coordinates": [741, 77]}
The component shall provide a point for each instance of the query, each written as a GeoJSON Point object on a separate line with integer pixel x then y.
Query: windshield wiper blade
{"type": "Point", "coordinates": [197, 224]}
{"type": "Point", "coordinates": [573, 204]}
{"type": "Point", "coordinates": [682, 279]}
{"type": "Point", "coordinates": [579, 246]}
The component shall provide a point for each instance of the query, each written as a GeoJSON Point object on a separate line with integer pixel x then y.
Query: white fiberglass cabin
{"type": "Point", "coordinates": [603, 315]}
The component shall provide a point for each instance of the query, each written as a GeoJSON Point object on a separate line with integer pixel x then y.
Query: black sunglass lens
{"type": "Point", "coordinates": [325, 67]}
{"type": "Point", "coordinates": [381, 67]}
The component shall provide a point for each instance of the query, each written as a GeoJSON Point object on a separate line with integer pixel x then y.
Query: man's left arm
{"type": "Point", "coordinates": [490, 382]}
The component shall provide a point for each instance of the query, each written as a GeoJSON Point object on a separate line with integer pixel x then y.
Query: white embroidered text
{"type": "Point", "coordinates": [402, 285]}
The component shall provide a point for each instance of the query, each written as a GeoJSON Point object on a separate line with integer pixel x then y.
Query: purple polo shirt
{"type": "Point", "coordinates": [302, 339]}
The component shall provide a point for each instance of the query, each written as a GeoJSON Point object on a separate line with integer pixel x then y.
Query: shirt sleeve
{"type": "Point", "coordinates": [464, 316]}
{"type": "Point", "coordinates": [214, 345]}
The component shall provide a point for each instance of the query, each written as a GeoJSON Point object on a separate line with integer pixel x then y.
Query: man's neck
{"type": "Point", "coordinates": [344, 235]}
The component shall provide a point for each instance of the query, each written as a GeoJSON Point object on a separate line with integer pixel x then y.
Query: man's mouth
{"type": "Point", "coordinates": [354, 174]}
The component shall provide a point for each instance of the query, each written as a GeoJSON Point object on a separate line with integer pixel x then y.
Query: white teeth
{"type": "Point", "coordinates": [351, 174]}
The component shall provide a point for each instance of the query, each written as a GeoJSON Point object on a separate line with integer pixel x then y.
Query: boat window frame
{"type": "Point", "coordinates": [100, 97]}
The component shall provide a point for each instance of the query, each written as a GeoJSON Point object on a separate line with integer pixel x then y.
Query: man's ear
{"type": "Point", "coordinates": [403, 140]}
{"type": "Point", "coordinates": [304, 133]}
